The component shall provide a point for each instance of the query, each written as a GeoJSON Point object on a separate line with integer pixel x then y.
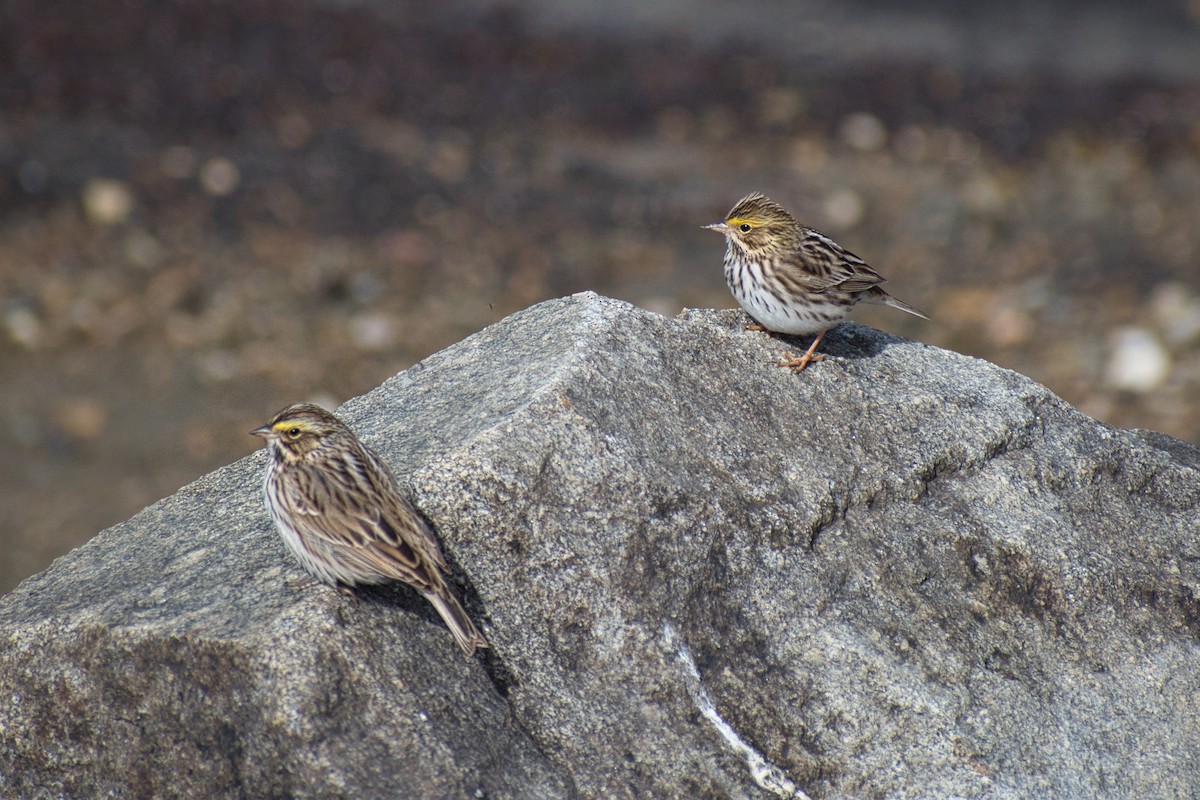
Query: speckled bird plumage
{"type": "Point", "coordinates": [341, 514]}
{"type": "Point", "coordinates": [793, 279]}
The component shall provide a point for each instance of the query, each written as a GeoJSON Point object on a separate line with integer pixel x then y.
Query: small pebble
{"type": "Point", "coordinates": [23, 327]}
{"type": "Point", "coordinates": [1137, 361]}
{"type": "Point", "coordinates": [107, 201]}
{"type": "Point", "coordinates": [1177, 312]}
{"type": "Point", "coordinates": [864, 131]}
{"type": "Point", "coordinates": [844, 209]}
{"type": "Point", "coordinates": [220, 177]}
{"type": "Point", "coordinates": [372, 332]}
{"type": "Point", "coordinates": [83, 417]}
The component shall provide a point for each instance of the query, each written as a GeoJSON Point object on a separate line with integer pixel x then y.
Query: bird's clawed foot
{"type": "Point", "coordinates": [300, 584]}
{"type": "Point", "coordinates": [810, 355]}
{"type": "Point", "coordinates": [307, 582]}
{"type": "Point", "coordinates": [348, 591]}
{"type": "Point", "coordinates": [798, 364]}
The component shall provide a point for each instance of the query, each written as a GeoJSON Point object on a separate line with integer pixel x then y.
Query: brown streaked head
{"type": "Point", "coordinates": [757, 224]}
{"type": "Point", "coordinates": [301, 428]}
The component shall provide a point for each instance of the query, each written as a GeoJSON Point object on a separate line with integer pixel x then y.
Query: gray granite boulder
{"type": "Point", "coordinates": [902, 573]}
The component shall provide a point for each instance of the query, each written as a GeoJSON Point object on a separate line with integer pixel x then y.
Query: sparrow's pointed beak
{"type": "Point", "coordinates": [719, 227]}
{"type": "Point", "coordinates": [265, 432]}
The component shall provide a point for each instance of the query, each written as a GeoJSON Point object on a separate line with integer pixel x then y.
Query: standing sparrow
{"type": "Point", "coordinates": [793, 279]}
{"type": "Point", "coordinates": [338, 508]}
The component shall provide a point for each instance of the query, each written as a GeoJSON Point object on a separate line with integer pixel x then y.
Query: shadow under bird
{"type": "Point", "coordinates": [791, 278]}
{"type": "Point", "coordinates": [341, 514]}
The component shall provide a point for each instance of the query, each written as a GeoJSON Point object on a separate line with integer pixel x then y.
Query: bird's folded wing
{"type": "Point", "coordinates": [394, 542]}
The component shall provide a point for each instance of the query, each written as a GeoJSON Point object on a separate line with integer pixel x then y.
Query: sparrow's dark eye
{"type": "Point", "coordinates": [293, 433]}
{"type": "Point", "coordinates": [744, 227]}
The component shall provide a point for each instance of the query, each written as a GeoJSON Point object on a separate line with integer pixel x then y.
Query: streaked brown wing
{"type": "Point", "coordinates": [399, 519]}
{"type": "Point", "coordinates": [401, 546]}
{"type": "Point", "coordinates": [386, 535]}
{"type": "Point", "coordinates": [823, 264]}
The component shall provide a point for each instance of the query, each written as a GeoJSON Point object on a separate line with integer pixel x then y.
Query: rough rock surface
{"type": "Point", "coordinates": [902, 573]}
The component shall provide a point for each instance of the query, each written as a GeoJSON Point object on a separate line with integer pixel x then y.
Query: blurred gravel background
{"type": "Point", "coordinates": [211, 208]}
